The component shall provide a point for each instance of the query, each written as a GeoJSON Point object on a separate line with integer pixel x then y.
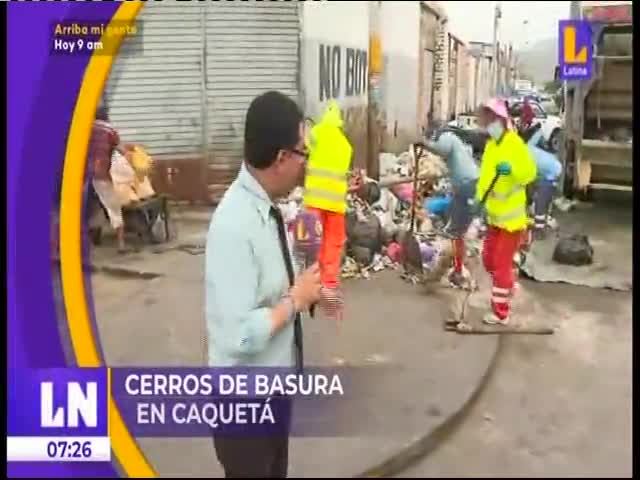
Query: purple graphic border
{"type": "Point", "coordinates": [43, 92]}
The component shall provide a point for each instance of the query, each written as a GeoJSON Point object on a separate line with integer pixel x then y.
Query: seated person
{"type": "Point", "coordinates": [119, 172]}
{"type": "Point", "coordinates": [103, 142]}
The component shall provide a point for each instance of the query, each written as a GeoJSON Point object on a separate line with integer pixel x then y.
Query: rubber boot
{"type": "Point", "coordinates": [491, 318]}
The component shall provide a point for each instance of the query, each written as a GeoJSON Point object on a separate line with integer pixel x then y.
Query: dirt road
{"type": "Point", "coordinates": [558, 405]}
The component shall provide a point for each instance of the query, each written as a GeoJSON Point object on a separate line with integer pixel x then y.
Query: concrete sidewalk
{"type": "Point", "coordinates": [433, 374]}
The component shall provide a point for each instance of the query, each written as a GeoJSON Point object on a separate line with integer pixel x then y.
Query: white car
{"type": "Point", "coordinates": [552, 125]}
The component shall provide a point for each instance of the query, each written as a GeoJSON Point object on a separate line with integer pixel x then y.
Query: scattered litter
{"type": "Point", "coordinates": [488, 417]}
{"type": "Point", "coordinates": [377, 358]}
{"type": "Point", "coordinates": [564, 204]}
{"type": "Point", "coordinates": [350, 268]}
{"type": "Point", "coordinates": [394, 252]}
{"type": "Point", "coordinates": [464, 327]}
{"type": "Point", "coordinates": [411, 278]}
{"type": "Point", "coordinates": [378, 263]}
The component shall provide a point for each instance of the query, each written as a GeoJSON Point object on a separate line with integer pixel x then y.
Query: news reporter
{"type": "Point", "coordinates": [253, 301]}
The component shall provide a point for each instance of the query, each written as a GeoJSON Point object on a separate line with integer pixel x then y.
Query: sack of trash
{"type": "Point", "coordinates": [363, 234]}
{"type": "Point", "coordinates": [140, 160]}
{"type": "Point", "coordinates": [370, 192]}
{"type": "Point", "coordinates": [574, 250]}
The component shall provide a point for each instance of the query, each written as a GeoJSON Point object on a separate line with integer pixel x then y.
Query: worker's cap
{"type": "Point", "coordinates": [499, 108]}
{"type": "Point", "coordinates": [496, 106]}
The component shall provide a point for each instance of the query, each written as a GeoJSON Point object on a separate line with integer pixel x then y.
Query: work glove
{"type": "Point", "coordinates": [503, 168]}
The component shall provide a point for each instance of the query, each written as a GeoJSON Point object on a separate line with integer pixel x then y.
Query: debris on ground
{"type": "Point", "coordinates": [379, 217]}
{"type": "Point", "coordinates": [564, 204]}
{"type": "Point", "coordinates": [574, 250]}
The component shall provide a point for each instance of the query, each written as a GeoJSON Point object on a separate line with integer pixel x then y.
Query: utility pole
{"type": "Point", "coordinates": [376, 107]}
{"type": "Point", "coordinates": [496, 27]}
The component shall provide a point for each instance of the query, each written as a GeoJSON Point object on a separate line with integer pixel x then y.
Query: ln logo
{"type": "Point", "coordinates": [575, 50]}
{"type": "Point", "coordinates": [79, 403]}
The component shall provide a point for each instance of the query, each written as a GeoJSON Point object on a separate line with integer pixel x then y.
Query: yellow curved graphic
{"type": "Point", "coordinates": [124, 446]}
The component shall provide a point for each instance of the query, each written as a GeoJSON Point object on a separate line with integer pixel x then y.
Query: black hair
{"type": "Point", "coordinates": [102, 113]}
{"type": "Point", "coordinates": [272, 124]}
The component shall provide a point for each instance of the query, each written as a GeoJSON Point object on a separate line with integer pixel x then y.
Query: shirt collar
{"type": "Point", "coordinates": [260, 198]}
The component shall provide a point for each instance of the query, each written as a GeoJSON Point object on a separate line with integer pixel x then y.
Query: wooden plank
{"type": "Point", "coordinates": [465, 329]}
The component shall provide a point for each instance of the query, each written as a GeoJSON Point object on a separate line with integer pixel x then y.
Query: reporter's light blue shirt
{"type": "Point", "coordinates": [245, 276]}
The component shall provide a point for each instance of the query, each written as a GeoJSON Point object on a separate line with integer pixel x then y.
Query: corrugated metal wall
{"type": "Point", "coordinates": [251, 47]}
{"type": "Point", "coordinates": [184, 91]}
{"type": "Point", "coordinates": [154, 95]}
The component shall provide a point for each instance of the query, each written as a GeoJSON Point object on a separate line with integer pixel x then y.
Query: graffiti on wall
{"type": "Point", "coordinates": [342, 72]}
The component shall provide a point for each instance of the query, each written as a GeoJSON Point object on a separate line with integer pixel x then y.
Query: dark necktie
{"type": "Point", "coordinates": [284, 247]}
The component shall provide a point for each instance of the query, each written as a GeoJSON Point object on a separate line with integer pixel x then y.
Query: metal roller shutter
{"type": "Point", "coordinates": [251, 47]}
{"type": "Point", "coordinates": [155, 96]}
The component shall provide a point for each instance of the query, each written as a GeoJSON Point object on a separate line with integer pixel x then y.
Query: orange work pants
{"type": "Point", "coordinates": [330, 255]}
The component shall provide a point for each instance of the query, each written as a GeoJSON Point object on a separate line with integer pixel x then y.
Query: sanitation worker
{"type": "Point", "coordinates": [506, 169]}
{"type": "Point", "coordinates": [549, 170]}
{"type": "Point", "coordinates": [325, 194]}
{"type": "Point", "coordinates": [463, 173]}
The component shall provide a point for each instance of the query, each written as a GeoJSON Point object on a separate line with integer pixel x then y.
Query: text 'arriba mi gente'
{"type": "Point", "coordinates": [95, 29]}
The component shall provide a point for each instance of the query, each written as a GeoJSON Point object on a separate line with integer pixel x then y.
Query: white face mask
{"type": "Point", "coordinates": [495, 129]}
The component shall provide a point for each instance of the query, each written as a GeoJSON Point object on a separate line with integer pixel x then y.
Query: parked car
{"type": "Point", "coordinates": [552, 125]}
{"type": "Point", "coordinates": [522, 94]}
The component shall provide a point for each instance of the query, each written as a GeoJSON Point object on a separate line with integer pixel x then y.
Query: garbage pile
{"type": "Point", "coordinates": [379, 216]}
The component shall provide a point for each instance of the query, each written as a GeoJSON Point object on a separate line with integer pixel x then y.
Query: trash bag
{"type": "Point", "coordinates": [574, 250]}
{"type": "Point", "coordinates": [361, 255]}
{"type": "Point", "coordinates": [365, 233]}
{"type": "Point", "coordinates": [370, 192]}
{"type": "Point", "coordinates": [394, 252]}
{"type": "Point", "coordinates": [403, 192]}
{"type": "Point", "coordinates": [437, 205]}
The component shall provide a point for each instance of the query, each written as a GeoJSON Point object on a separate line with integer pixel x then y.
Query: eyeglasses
{"type": "Point", "coordinates": [304, 154]}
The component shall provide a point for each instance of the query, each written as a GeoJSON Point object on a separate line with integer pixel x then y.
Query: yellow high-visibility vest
{"type": "Point", "coordinates": [506, 205]}
{"type": "Point", "coordinates": [326, 180]}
